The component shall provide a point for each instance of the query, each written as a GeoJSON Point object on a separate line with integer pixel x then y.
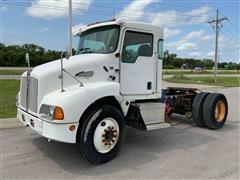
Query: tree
{"type": "Point", "coordinates": [14, 55]}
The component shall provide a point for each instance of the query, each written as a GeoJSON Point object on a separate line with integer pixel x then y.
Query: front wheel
{"type": "Point", "coordinates": [101, 135]}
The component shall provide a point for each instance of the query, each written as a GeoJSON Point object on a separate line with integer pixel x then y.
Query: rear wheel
{"type": "Point", "coordinates": [215, 110]}
{"type": "Point", "coordinates": [197, 109]}
{"type": "Point", "coordinates": [101, 135]}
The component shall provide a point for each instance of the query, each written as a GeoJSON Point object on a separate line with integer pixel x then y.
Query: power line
{"type": "Point", "coordinates": [76, 10]}
{"type": "Point", "coordinates": [234, 36]}
{"type": "Point", "coordinates": [233, 26]}
{"type": "Point", "coordinates": [235, 33]}
{"type": "Point", "coordinates": [215, 23]}
{"type": "Point", "coordinates": [107, 7]}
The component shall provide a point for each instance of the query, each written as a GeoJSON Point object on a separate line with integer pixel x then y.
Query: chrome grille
{"type": "Point", "coordinates": [32, 94]}
{"type": "Point", "coordinates": [23, 97]}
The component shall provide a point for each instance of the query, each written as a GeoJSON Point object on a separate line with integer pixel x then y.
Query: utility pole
{"type": "Point", "coordinates": [216, 23]}
{"type": "Point", "coordinates": [70, 28]}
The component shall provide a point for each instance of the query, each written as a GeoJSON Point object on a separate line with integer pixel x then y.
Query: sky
{"type": "Point", "coordinates": [186, 31]}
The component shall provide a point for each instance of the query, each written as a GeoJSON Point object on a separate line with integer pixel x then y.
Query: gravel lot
{"type": "Point", "coordinates": [182, 151]}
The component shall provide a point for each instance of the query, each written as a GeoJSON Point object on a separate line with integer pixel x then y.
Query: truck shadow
{"type": "Point", "coordinates": [139, 148]}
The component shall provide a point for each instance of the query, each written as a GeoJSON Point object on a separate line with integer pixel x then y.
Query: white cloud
{"type": "Point", "coordinates": [227, 43]}
{"type": "Point", "coordinates": [194, 35]}
{"type": "Point", "coordinates": [199, 11]}
{"type": "Point", "coordinates": [210, 54]}
{"type": "Point", "coordinates": [43, 29]}
{"type": "Point", "coordinates": [195, 43]}
{"type": "Point", "coordinates": [189, 46]}
{"type": "Point", "coordinates": [177, 18]}
{"type": "Point", "coordinates": [76, 28]}
{"type": "Point", "coordinates": [207, 38]}
{"type": "Point", "coordinates": [195, 54]}
{"type": "Point", "coordinates": [135, 10]}
{"type": "Point", "coordinates": [186, 43]}
{"type": "Point", "coordinates": [190, 42]}
{"type": "Point", "coordinates": [165, 18]}
{"type": "Point", "coordinates": [55, 8]}
{"type": "Point", "coordinates": [171, 32]}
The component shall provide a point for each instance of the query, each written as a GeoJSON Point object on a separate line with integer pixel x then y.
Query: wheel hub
{"type": "Point", "coordinates": [109, 135]}
{"type": "Point", "coordinates": [220, 110]}
{"type": "Point", "coordinates": [106, 135]}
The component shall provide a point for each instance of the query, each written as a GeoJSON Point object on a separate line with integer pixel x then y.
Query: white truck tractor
{"type": "Point", "coordinates": [113, 80]}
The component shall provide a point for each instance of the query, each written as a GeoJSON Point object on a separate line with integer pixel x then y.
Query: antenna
{"type": "Point", "coordinates": [70, 28]}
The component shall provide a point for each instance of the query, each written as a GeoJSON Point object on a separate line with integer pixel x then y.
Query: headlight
{"type": "Point", "coordinates": [51, 112]}
{"type": "Point", "coordinates": [17, 99]}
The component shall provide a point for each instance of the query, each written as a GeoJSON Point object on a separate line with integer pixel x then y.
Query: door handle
{"type": "Point", "coordinates": [149, 85]}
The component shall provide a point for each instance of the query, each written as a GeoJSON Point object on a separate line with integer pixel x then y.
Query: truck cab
{"type": "Point", "coordinates": [113, 80]}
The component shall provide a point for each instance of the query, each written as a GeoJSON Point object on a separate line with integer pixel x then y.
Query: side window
{"type": "Point", "coordinates": [136, 44]}
{"type": "Point", "coordinates": [160, 49]}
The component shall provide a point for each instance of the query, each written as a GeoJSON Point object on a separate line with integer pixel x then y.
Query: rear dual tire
{"type": "Point", "coordinates": [210, 110]}
{"type": "Point", "coordinates": [215, 111]}
{"type": "Point", "coordinates": [197, 109]}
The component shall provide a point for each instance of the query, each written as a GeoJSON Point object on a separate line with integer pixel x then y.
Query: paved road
{"type": "Point", "coordinates": [182, 151]}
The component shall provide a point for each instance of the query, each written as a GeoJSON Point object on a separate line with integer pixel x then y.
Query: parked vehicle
{"type": "Point", "coordinates": [186, 67]}
{"type": "Point", "coordinates": [113, 80]}
{"type": "Point", "coordinates": [198, 69]}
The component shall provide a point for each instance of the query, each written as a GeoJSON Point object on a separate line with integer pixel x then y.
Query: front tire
{"type": "Point", "coordinates": [101, 135]}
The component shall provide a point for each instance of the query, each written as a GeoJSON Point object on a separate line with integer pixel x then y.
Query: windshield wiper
{"type": "Point", "coordinates": [85, 50]}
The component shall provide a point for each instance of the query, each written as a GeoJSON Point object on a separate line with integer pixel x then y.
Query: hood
{"type": "Point", "coordinates": [78, 64]}
{"type": "Point", "coordinates": [48, 75]}
{"type": "Point", "coordinates": [74, 64]}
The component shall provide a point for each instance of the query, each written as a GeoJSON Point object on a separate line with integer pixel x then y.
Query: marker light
{"type": "Point", "coordinates": [58, 113]}
{"type": "Point", "coordinates": [72, 127]}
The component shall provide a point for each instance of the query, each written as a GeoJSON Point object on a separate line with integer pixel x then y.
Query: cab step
{"type": "Point", "coordinates": [147, 116]}
{"type": "Point", "coordinates": [151, 127]}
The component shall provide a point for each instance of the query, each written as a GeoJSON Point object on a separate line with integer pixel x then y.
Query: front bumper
{"type": "Point", "coordinates": [54, 131]}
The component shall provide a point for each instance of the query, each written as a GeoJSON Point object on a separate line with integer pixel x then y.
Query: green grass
{"type": "Point", "coordinates": [8, 92]}
{"type": "Point", "coordinates": [221, 81]}
{"type": "Point", "coordinates": [11, 72]}
{"type": "Point", "coordinates": [179, 71]}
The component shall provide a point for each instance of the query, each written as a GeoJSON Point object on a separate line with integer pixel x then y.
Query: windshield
{"type": "Point", "coordinates": [99, 40]}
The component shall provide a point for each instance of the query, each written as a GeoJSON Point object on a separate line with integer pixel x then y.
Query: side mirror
{"type": "Point", "coordinates": [165, 54]}
{"type": "Point", "coordinates": [27, 59]}
{"type": "Point", "coordinates": [67, 55]}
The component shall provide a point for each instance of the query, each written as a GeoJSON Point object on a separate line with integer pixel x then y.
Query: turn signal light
{"type": "Point", "coordinates": [58, 113]}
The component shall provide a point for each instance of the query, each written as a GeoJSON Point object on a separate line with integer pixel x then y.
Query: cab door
{"type": "Point", "coordinates": [137, 71]}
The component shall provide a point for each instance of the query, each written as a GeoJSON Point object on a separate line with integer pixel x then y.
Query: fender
{"type": "Point", "coordinates": [75, 100]}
